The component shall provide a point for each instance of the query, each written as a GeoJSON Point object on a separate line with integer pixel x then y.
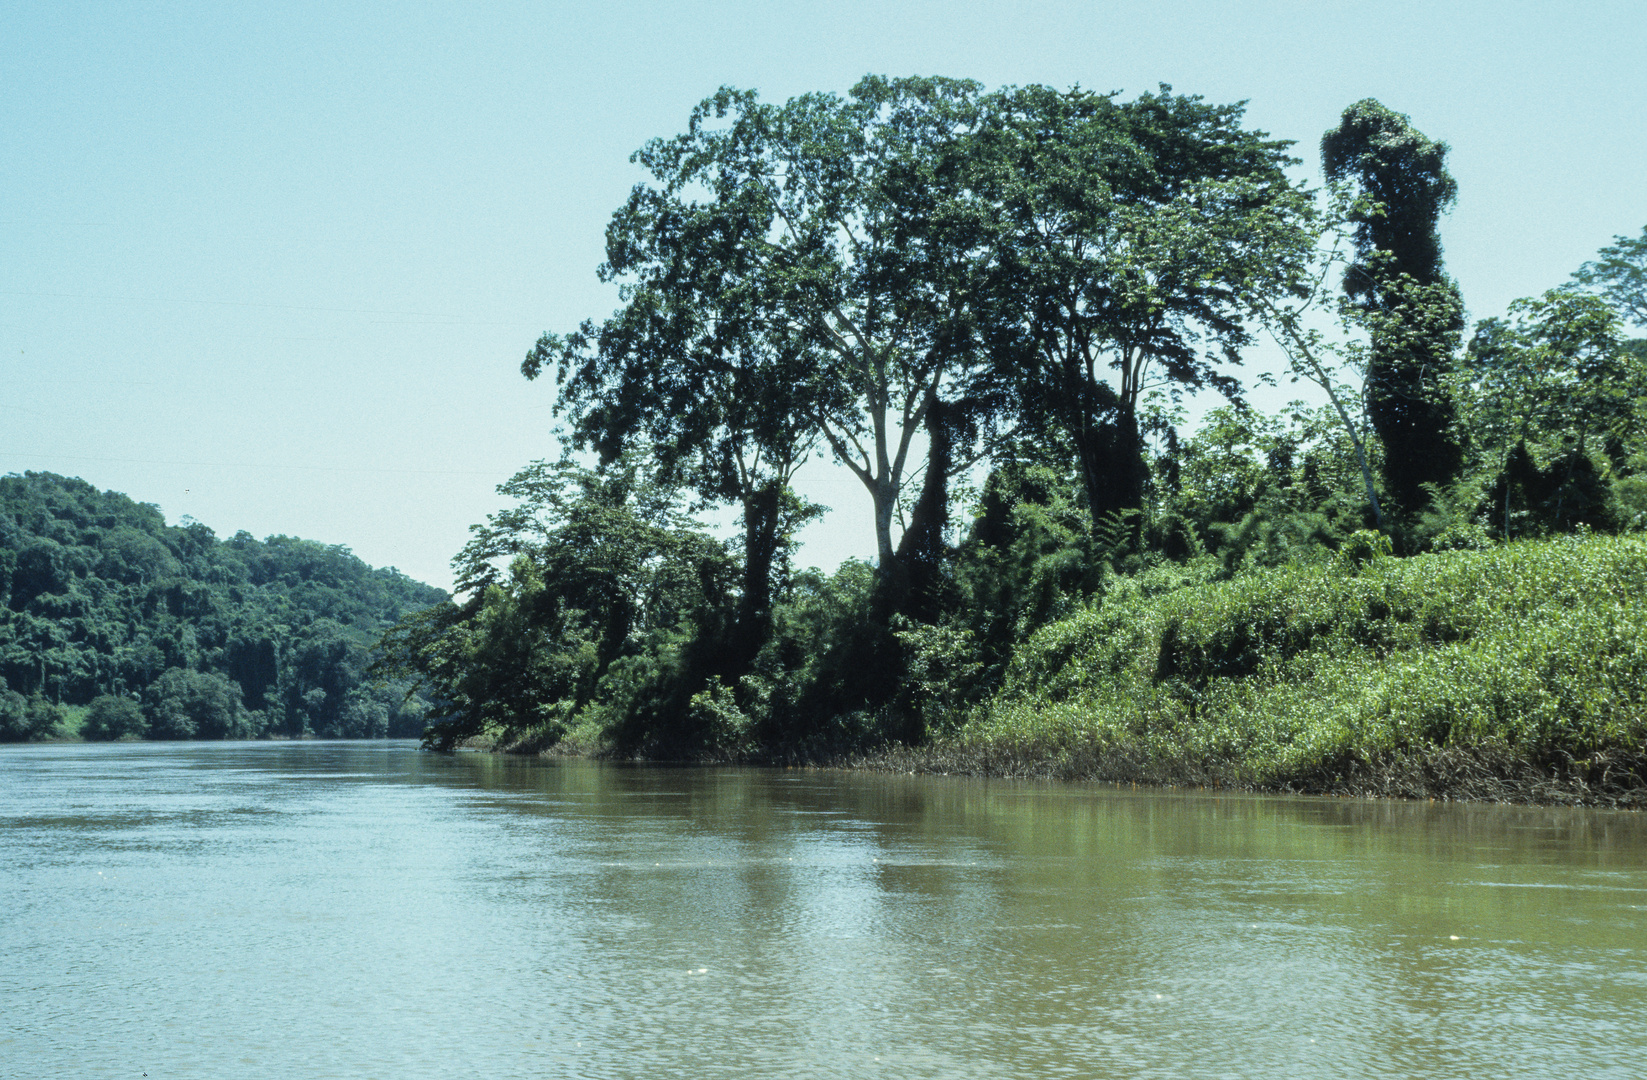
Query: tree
{"type": "Point", "coordinates": [1263, 490]}
{"type": "Point", "coordinates": [515, 659]}
{"type": "Point", "coordinates": [1619, 274]}
{"type": "Point", "coordinates": [1134, 239]}
{"type": "Point", "coordinates": [1412, 310]}
{"type": "Point", "coordinates": [1317, 357]}
{"type": "Point", "coordinates": [697, 366]}
{"type": "Point", "coordinates": [1556, 375]}
{"type": "Point", "coordinates": [112, 717]}
{"type": "Point", "coordinates": [324, 664]}
{"type": "Point", "coordinates": [184, 704]}
{"type": "Point", "coordinates": [28, 719]}
{"type": "Point", "coordinates": [781, 272]}
{"type": "Point", "coordinates": [608, 540]}
{"type": "Point", "coordinates": [590, 568]}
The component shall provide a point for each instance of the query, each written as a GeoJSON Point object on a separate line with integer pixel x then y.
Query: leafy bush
{"type": "Point", "coordinates": [184, 704]}
{"type": "Point", "coordinates": [112, 717]}
{"type": "Point", "coordinates": [28, 719]}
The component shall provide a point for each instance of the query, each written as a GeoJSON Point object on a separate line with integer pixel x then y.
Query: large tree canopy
{"type": "Point", "coordinates": [780, 287]}
{"type": "Point", "coordinates": [697, 365]}
{"type": "Point", "coordinates": [1133, 238]}
{"type": "Point", "coordinates": [912, 258]}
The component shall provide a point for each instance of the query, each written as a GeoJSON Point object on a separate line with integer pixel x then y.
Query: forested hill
{"type": "Point", "coordinates": [170, 632]}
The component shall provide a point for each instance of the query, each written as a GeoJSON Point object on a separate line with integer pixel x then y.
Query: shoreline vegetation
{"type": "Point", "coordinates": [114, 625]}
{"type": "Point", "coordinates": [1514, 674]}
{"type": "Point", "coordinates": [991, 308]}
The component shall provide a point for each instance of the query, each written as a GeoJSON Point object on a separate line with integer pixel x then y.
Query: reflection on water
{"type": "Point", "coordinates": [361, 909]}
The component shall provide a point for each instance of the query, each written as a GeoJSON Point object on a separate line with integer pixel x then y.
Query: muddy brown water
{"type": "Point", "coordinates": [366, 910]}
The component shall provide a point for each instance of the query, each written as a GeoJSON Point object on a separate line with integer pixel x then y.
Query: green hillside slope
{"type": "Point", "coordinates": [169, 632]}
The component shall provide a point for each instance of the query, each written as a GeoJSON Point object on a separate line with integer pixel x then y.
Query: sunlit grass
{"type": "Point", "coordinates": [1535, 652]}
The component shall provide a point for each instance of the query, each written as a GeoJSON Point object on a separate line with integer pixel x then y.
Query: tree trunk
{"type": "Point", "coordinates": [922, 549]}
{"type": "Point", "coordinates": [761, 509]}
{"type": "Point", "coordinates": [885, 497]}
{"type": "Point", "coordinates": [1112, 466]}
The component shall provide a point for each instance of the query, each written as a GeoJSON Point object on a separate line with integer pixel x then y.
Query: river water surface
{"type": "Point", "coordinates": [366, 910]}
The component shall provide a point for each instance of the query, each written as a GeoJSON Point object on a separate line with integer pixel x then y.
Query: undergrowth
{"type": "Point", "coordinates": [1527, 660]}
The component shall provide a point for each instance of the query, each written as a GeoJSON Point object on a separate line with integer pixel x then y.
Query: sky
{"type": "Point", "coordinates": [274, 266]}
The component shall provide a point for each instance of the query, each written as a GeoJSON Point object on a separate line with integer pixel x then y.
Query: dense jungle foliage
{"type": "Point", "coordinates": [114, 624]}
{"type": "Point", "coordinates": [991, 309]}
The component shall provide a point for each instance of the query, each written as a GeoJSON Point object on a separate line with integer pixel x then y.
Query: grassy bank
{"type": "Point", "coordinates": [1516, 673]}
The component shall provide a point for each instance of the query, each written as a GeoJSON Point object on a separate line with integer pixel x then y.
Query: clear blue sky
{"type": "Point", "coordinates": [274, 266]}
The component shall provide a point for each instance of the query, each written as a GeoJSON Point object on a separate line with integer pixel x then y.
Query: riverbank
{"type": "Point", "coordinates": [1488, 773]}
{"type": "Point", "coordinates": [1514, 674]}
{"type": "Point", "coordinates": [1483, 774]}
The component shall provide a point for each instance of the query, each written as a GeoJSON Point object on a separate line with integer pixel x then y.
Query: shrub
{"type": "Point", "coordinates": [29, 719]}
{"type": "Point", "coordinates": [112, 717]}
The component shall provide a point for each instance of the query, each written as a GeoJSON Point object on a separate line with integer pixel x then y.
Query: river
{"type": "Point", "coordinates": [300, 910]}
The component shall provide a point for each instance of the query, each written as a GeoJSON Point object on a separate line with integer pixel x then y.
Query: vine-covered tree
{"type": "Point", "coordinates": [1413, 311]}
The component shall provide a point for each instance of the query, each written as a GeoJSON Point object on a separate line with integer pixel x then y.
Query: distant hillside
{"type": "Point", "coordinates": [168, 632]}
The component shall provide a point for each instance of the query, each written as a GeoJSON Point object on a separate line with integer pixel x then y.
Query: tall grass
{"type": "Point", "coordinates": [1518, 661]}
